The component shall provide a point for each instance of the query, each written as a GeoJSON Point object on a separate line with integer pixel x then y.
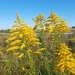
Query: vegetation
{"type": "Point", "coordinates": [5, 31]}
{"type": "Point", "coordinates": [44, 49]}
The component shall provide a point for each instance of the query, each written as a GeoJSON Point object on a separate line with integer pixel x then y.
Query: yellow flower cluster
{"type": "Point", "coordinates": [54, 17]}
{"type": "Point", "coordinates": [40, 17]}
{"type": "Point", "coordinates": [39, 50]}
{"type": "Point", "coordinates": [56, 24]}
{"type": "Point", "coordinates": [38, 21]}
{"type": "Point", "coordinates": [62, 27]}
{"type": "Point", "coordinates": [49, 28]}
{"type": "Point", "coordinates": [12, 48]}
{"type": "Point", "coordinates": [21, 55]}
{"type": "Point", "coordinates": [65, 59]}
{"type": "Point", "coordinates": [23, 69]}
{"type": "Point", "coordinates": [22, 37]}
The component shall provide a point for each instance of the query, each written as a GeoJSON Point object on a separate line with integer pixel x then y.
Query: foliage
{"type": "Point", "coordinates": [41, 50]}
{"type": "Point", "coordinates": [5, 31]}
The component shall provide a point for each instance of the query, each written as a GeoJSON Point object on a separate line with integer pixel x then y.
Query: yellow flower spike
{"type": "Point", "coordinates": [54, 17]}
{"type": "Point", "coordinates": [33, 39]}
{"type": "Point", "coordinates": [10, 39]}
{"type": "Point", "coordinates": [36, 43]}
{"type": "Point", "coordinates": [23, 37]}
{"type": "Point", "coordinates": [65, 59]}
{"type": "Point", "coordinates": [20, 35]}
{"type": "Point", "coordinates": [18, 17]}
{"type": "Point", "coordinates": [16, 42]}
{"type": "Point", "coordinates": [37, 52]}
{"type": "Point", "coordinates": [21, 55]}
{"type": "Point", "coordinates": [41, 17]}
{"type": "Point", "coordinates": [22, 46]}
{"type": "Point", "coordinates": [56, 24]}
{"type": "Point", "coordinates": [38, 21]}
{"type": "Point", "coordinates": [72, 70]}
{"type": "Point", "coordinates": [13, 48]}
{"type": "Point", "coordinates": [23, 69]}
{"type": "Point", "coordinates": [29, 51]}
{"type": "Point", "coordinates": [62, 69]}
{"type": "Point", "coordinates": [62, 27]}
{"type": "Point", "coordinates": [41, 49]}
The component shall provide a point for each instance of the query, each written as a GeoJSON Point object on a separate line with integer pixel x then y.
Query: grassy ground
{"type": "Point", "coordinates": [8, 67]}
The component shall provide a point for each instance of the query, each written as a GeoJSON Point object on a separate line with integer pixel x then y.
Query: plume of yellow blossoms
{"type": "Point", "coordinates": [49, 28]}
{"type": "Point", "coordinates": [56, 23]}
{"type": "Point", "coordinates": [39, 21]}
{"type": "Point", "coordinates": [54, 17]}
{"type": "Point", "coordinates": [62, 27]}
{"type": "Point", "coordinates": [50, 24]}
{"type": "Point", "coordinates": [65, 59]}
{"type": "Point", "coordinates": [21, 37]}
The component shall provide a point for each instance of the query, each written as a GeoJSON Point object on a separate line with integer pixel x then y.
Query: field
{"type": "Point", "coordinates": [46, 49]}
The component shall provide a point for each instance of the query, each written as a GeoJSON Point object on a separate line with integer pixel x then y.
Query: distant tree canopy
{"type": "Point", "coordinates": [73, 26]}
{"type": "Point", "coordinates": [5, 31]}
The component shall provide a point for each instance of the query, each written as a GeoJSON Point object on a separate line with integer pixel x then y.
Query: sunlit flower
{"type": "Point", "coordinates": [21, 55]}
{"type": "Point", "coordinates": [37, 52]}
{"type": "Point", "coordinates": [23, 69]}
{"type": "Point", "coordinates": [62, 27]}
{"type": "Point", "coordinates": [15, 42]}
{"type": "Point", "coordinates": [29, 51]}
{"type": "Point", "coordinates": [39, 21]}
{"type": "Point", "coordinates": [65, 59]}
{"type": "Point", "coordinates": [56, 24]}
{"type": "Point", "coordinates": [13, 48]}
{"type": "Point", "coordinates": [22, 37]}
{"type": "Point", "coordinates": [22, 46]}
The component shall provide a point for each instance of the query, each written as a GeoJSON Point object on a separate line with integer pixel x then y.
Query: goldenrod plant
{"type": "Point", "coordinates": [39, 22]}
{"type": "Point", "coordinates": [65, 60]}
{"type": "Point", "coordinates": [22, 40]}
{"type": "Point", "coordinates": [38, 50]}
{"type": "Point", "coordinates": [56, 26]}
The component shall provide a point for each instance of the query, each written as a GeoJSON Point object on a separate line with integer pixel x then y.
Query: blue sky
{"type": "Point", "coordinates": [29, 9]}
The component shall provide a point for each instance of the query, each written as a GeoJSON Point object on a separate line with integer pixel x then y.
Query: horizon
{"type": "Point", "coordinates": [29, 9]}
